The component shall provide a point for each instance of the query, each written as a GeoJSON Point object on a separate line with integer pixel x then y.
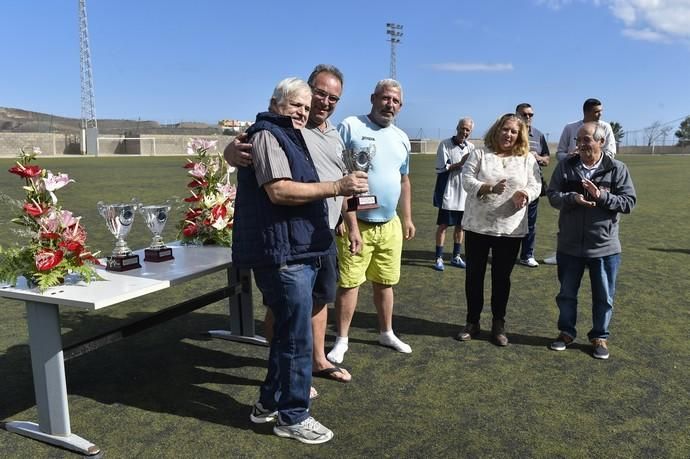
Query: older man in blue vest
{"type": "Point", "coordinates": [281, 231]}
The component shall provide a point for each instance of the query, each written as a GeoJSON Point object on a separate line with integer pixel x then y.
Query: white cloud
{"type": "Point", "coordinates": [668, 18]}
{"type": "Point", "coordinates": [473, 67]}
{"type": "Point", "coordinates": [645, 35]}
{"type": "Point", "coordinates": [651, 20]}
{"type": "Point", "coordinates": [558, 4]}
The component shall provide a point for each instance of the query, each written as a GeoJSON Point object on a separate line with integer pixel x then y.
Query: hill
{"type": "Point", "coordinates": [18, 120]}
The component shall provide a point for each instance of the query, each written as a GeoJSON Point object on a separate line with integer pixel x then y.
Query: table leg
{"type": "Point", "coordinates": [50, 384]}
{"type": "Point", "coordinates": [241, 311]}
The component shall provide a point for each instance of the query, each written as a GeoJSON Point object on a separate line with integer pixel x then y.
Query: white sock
{"type": "Point", "coordinates": [388, 338]}
{"type": "Point", "coordinates": [339, 349]}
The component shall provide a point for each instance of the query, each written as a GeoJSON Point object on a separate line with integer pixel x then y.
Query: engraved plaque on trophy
{"type": "Point", "coordinates": [360, 160]}
{"type": "Point", "coordinates": [156, 216]}
{"type": "Point", "coordinates": [119, 219]}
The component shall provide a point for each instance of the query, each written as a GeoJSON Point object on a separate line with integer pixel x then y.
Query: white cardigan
{"type": "Point", "coordinates": [495, 214]}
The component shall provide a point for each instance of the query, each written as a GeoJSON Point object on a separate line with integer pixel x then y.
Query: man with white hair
{"type": "Point", "coordinates": [325, 147]}
{"type": "Point", "coordinates": [592, 110]}
{"type": "Point", "coordinates": [372, 247]}
{"type": "Point", "coordinates": [449, 195]}
{"type": "Point", "coordinates": [591, 190]}
{"type": "Point", "coordinates": [281, 232]}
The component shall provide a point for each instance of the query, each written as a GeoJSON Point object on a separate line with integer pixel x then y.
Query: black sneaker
{"type": "Point", "coordinates": [599, 349]}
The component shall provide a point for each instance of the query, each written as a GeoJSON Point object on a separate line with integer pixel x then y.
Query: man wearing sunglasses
{"type": "Point", "coordinates": [540, 149]}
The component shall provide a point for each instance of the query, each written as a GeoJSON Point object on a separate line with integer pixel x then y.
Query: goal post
{"type": "Point", "coordinates": [119, 145]}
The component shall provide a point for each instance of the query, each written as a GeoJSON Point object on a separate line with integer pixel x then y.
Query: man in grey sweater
{"type": "Point", "coordinates": [591, 190]}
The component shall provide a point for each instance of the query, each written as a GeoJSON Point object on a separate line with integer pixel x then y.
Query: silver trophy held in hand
{"type": "Point", "coordinates": [119, 219]}
{"type": "Point", "coordinates": [359, 159]}
{"type": "Point", "coordinates": [156, 216]}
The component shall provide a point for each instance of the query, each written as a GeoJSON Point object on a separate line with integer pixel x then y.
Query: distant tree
{"type": "Point", "coordinates": [618, 132]}
{"type": "Point", "coordinates": [683, 133]}
{"type": "Point", "coordinates": [655, 132]}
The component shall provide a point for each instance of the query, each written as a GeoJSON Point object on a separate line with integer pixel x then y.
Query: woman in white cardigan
{"type": "Point", "coordinates": [500, 181]}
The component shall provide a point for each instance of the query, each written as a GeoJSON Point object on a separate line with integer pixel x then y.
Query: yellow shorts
{"type": "Point", "coordinates": [380, 257]}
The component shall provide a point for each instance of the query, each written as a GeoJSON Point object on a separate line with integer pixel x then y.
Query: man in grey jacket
{"type": "Point", "coordinates": [591, 190]}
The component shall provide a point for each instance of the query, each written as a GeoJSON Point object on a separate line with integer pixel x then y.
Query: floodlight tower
{"type": "Point", "coordinates": [396, 33]}
{"type": "Point", "coordinates": [89, 126]}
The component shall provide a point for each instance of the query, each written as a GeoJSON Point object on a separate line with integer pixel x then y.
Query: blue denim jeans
{"type": "Point", "coordinates": [529, 240]}
{"type": "Point", "coordinates": [287, 290]}
{"type": "Point", "coordinates": [602, 276]}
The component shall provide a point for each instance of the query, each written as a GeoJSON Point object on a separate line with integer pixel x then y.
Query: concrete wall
{"type": "Point", "coordinates": [173, 145]}
{"type": "Point", "coordinates": [69, 144]}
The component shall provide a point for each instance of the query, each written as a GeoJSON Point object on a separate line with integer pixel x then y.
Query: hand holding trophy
{"type": "Point", "coordinates": [119, 219]}
{"type": "Point", "coordinates": [360, 160]}
{"type": "Point", "coordinates": [156, 216]}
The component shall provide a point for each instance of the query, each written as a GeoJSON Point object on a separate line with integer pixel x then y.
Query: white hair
{"type": "Point", "coordinates": [289, 87]}
{"type": "Point", "coordinates": [466, 119]}
{"type": "Point", "coordinates": [388, 83]}
{"type": "Point", "coordinates": [599, 132]}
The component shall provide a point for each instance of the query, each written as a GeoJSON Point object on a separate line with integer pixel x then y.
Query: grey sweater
{"type": "Point", "coordinates": [591, 231]}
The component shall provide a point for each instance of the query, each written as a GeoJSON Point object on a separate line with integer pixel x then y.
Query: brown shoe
{"type": "Point", "coordinates": [498, 334]}
{"type": "Point", "coordinates": [470, 331]}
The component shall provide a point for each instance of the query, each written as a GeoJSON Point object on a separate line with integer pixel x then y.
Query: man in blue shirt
{"type": "Point", "coordinates": [372, 247]}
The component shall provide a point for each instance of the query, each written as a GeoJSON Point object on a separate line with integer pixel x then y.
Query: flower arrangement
{"type": "Point", "coordinates": [57, 240]}
{"type": "Point", "coordinates": [209, 217]}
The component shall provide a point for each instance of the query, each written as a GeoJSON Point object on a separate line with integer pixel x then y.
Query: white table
{"type": "Point", "coordinates": [47, 358]}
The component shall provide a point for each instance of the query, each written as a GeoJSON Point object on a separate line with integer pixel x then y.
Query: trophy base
{"type": "Point", "coordinates": [158, 255]}
{"type": "Point", "coordinates": [363, 202]}
{"type": "Point", "coordinates": [123, 263]}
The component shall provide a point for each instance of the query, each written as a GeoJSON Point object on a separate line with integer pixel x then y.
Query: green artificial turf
{"type": "Point", "coordinates": [173, 392]}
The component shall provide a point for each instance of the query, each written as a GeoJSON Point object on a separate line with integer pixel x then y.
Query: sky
{"type": "Point", "coordinates": [207, 60]}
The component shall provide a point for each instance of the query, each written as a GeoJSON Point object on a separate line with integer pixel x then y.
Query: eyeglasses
{"type": "Point", "coordinates": [321, 94]}
{"type": "Point", "coordinates": [527, 115]}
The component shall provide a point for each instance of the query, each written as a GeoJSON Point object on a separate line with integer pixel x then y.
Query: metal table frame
{"type": "Point", "coordinates": [45, 341]}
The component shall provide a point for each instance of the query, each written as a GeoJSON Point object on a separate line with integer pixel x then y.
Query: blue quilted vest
{"type": "Point", "coordinates": [265, 234]}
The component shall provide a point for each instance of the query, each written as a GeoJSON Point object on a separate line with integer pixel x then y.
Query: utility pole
{"type": "Point", "coordinates": [89, 126]}
{"type": "Point", "coordinates": [396, 33]}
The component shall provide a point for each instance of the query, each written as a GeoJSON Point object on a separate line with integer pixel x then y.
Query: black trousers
{"type": "Point", "coordinates": [504, 250]}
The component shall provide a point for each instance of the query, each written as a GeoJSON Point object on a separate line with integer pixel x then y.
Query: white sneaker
{"type": "Point", "coordinates": [530, 262]}
{"type": "Point", "coordinates": [438, 264]}
{"type": "Point", "coordinates": [337, 354]}
{"type": "Point", "coordinates": [551, 260]}
{"type": "Point", "coordinates": [309, 431]}
{"type": "Point", "coordinates": [393, 341]}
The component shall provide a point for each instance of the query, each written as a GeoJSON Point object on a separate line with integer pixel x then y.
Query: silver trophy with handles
{"type": "Point", "coordinates": [119, 219]}
{"type": "Point", "coordinates": [359, 159]}
{"type": "Point", "coordinates": [156, 216]}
